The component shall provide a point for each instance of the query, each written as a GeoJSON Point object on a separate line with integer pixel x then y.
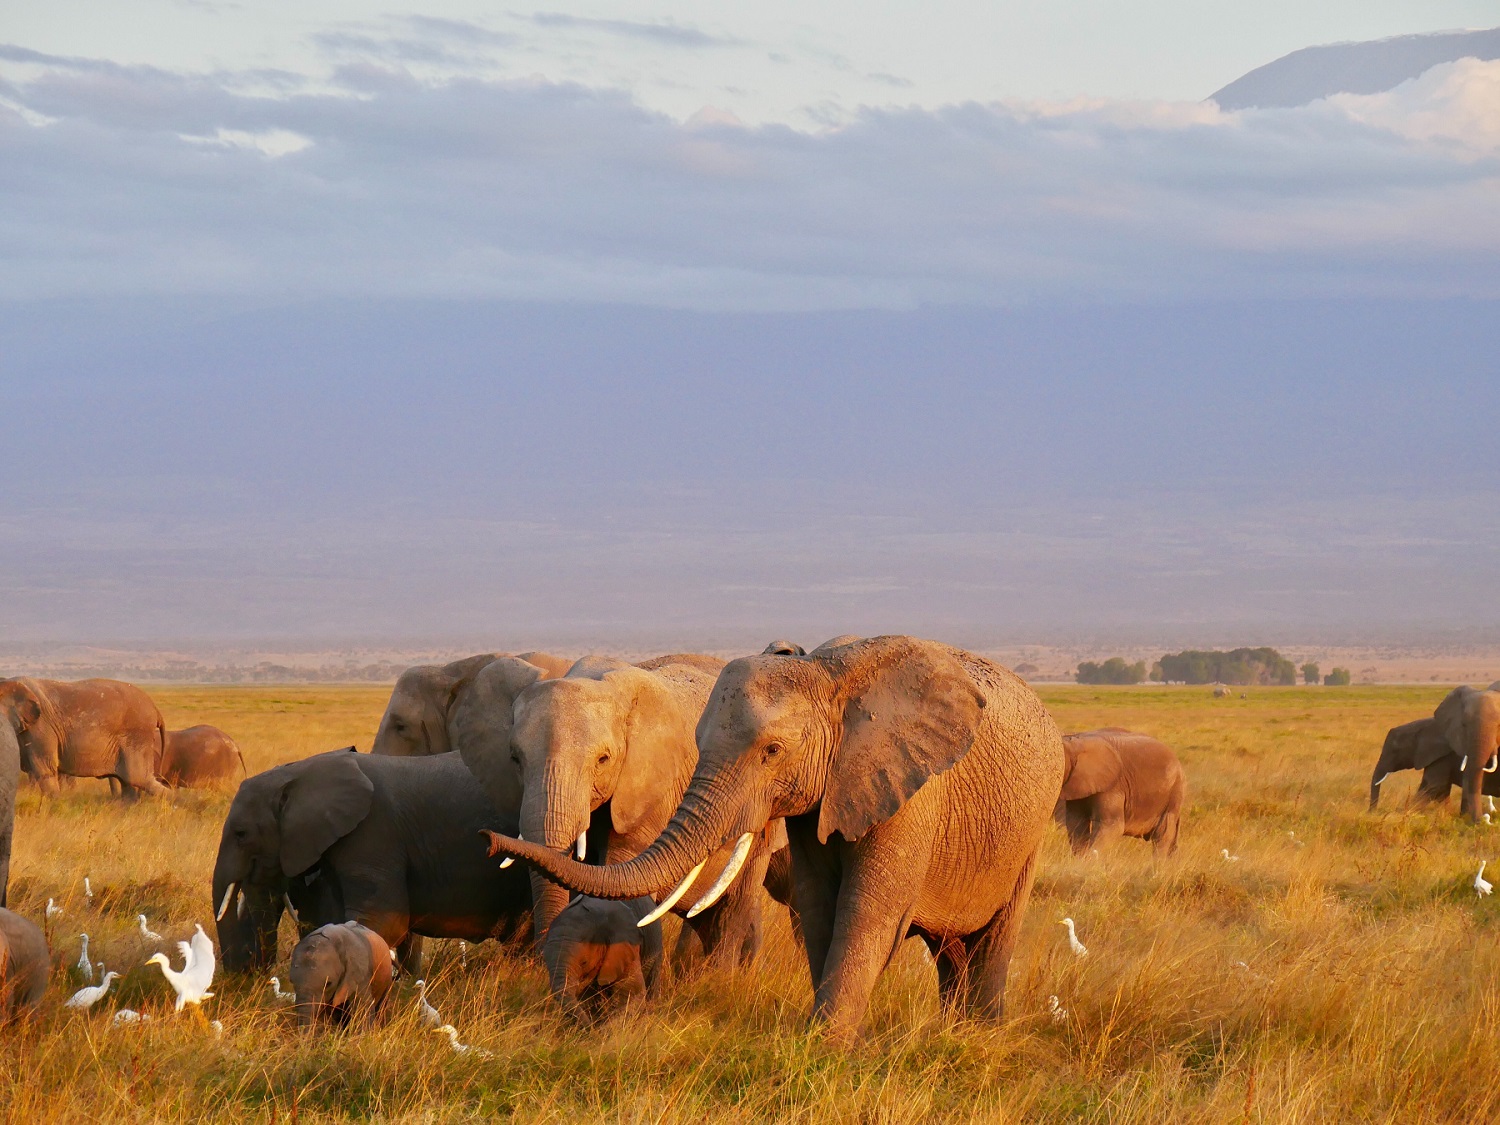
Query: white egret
{"type": "Point", "coordinates": [1058, 1012]}
{"type": "Point", "coordinates": [146, 931]}
{"type": "Point", "coordinates": [217, 1027]}
{"type": "Point", "coordinates": [1481, 884]}
{"type": "Point", "coordinates": [284, 997]}
{"type": "Point", "coordinates": [1227, 857]}
{"type": "Point", "coordinates": [88, 891]}
{"type": "Point", "coordinates": [1490, 804]}
{"type": "Point", "coordinates": [54, 912]}
{"type": "Point", "coordinates": [1487, 819]}
{"type": "Point", "coordinates": [426, 1013]}
{"type": "Point", "coordinates": [1292, 836]}
{"type": "Point", "coordinates": [461, 1048]}
{"type": "Point", "coordinates": [85, 966]}
{"type": "Point", "coordinates": [129, 1015]}
{"type": "Point", "coordinates": [86, 998]}
{"type": "Point", "coordinates": [1078, 948]}
{"type": "Point", "coordinates": [191, 983]}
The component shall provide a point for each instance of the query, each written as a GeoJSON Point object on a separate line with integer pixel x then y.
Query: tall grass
{"type": "Point", "coordinates": [1342, 969]}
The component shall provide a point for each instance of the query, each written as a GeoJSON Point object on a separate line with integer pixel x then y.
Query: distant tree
{"type": "Point", "coordinates": [1112, 671]}
{"type": "Point", "coordinates": [1238, 666]}
{"type": "Point", "coordinates": [1026, 669]}
{"type": "Point", "coordinates": [1339, 677]}
{"type": "Point", "coordinates": [1310, 674]}
{"type": "Point", "coordinates": [1157, 676]}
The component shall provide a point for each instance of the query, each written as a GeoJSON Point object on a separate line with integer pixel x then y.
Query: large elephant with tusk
{"type": "Point", "coordinates": [916, 781]}
{"type": "Point", "coordinates": [604, 755]}
{"type": "Point", "coordinates": [1470, 720]}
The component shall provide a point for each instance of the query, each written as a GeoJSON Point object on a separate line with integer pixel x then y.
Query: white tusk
{"type": "Point", "coordinates": [508, 860]}
{"type": "Point", "coordinates": [671, 900]}
{"type": "Point", "coordinates": [1381, 778]}
{"type": "Point", "coordinates": [731, 869]}
{"type": "Point", "coordinates": [1463, 765]}
{"type": "Point", "coordinates": [224, 906]}
{"type": "Point", "coordinates": [582, 845]}
{"type": "Point", "coordinates": [290, 909]}
{"type": "Point", "coordinates": [239, 905]}
{"type": "Point", "coordinates": [1494, 762]}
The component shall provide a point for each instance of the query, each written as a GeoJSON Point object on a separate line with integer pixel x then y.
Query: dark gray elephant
{"type": "Point", "coordinates": [85, 728]}
{"type": "Point", "coordinates": [599, 959]}
{"type": "Point", "coordinates": [340, 975]}
{"type": "Point", "coordinates": [1119, 783]}
{"type": "Point", "coordinates": [916, 781]}
{"type": "Point", "coordinates": [24, 965]}
{"type": "Point", "coordinates": [1470, 720]}
{"type": "Point", "coordinates": [437, 708]}
{"type": "Point", "coordinates": [10, 777]}
{"type": "Point", "coordinates": [392, 843]}
{"type": "Point", "coordinates": [1419, 745]}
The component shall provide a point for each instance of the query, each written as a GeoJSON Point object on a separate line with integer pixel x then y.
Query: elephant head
{"type": "Point", "coordinates": [1470, 720]}
{"type": "Point", "coordinates": [10, 775]}
{"type": "Point", "coordinates": [610, 734]}
{"type": "Point", "coordinates": [278, 827]}
{"type": "Point", "coordinates": [597, 959]}
{"type": "Point", "coordinates": [336, 969]}
{"type": "Point", "coordinates": [1416, 745]}
{"type": "Point", "coordinates": [1091, 765]}
{"type": "Point", "coordinates": [416, 718]}
{"type": "Point", "coordinates": [24, 708]}
{"type": "Point", "coordinates": [850, 732]}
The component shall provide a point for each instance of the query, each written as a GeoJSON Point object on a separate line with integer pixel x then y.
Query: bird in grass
{"type": "Point", "coordinates": [86, 998]}
{"type": "Point", "coordinates": [128, 1015]}
{"type": "Point", "coordinates": [85, 966]}
{"type": "Point", "coordinates": [146, 931]}
{"type": "Point", "coordinates": [1487, 819]}
{"type": "Point", "coordinates": [88, 892]}
{"type": "Point", "coordinates": [1481, 884]}
{"type": "Point", "coordinates": [1489, 804]}
{"type": "Point", "coordinates": [426, 1013]}
{"type": "Point", "coordinates": [1055, 1009]}
{"type": "Point", "coordinates": [461, 1048]}
{"type": "Point", "coordinates": [191, 983]}
{"type": "Point", "coordinates": [463, 953]}
{"type": "Point", "coordinates": [54, 912]}
{"type": "Point", "coordinates": [217, 1027]}
{"type": "Point", "coordinates": [1292, 836]}
{"type": "Point", "coordinates": [284, 997]}
{"type": "Point", "coordinates": [1078, 948]}
{"type": "Point", "coordinates": [1227, 857]}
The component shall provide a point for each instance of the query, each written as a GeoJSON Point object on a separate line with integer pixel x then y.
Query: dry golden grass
{"type": "Point", "coordinates": [1366, 992]}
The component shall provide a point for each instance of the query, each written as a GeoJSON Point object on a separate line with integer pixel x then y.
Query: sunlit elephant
{"type": "Point", "coordinates": [1470, 720]}
{"type": "Point", "coordinates": [10, 777]}
{"type": "Point", "coordinates": [201, 757]}
{"type": "Point", "coordinates": [916, 781]}
{"type": "Point", "coordinates": [24, 965]}
{"type": "Point", "coordinates": [392, 843]}
{"type": "Point", "coordinates": [436, 708]}
{"type": "Point", "coordinates": [1119, 783]}
{"type": "Point", "coordinates": [605, 754]}
{"type": "Point", "coordinates": [340, 975]}
{"type": "Point", "coordinates": [87, 728]}
{"type": "Point", "coordinates": [599, 959]}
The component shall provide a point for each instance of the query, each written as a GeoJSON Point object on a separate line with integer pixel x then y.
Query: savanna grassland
{"type": "Point", "coordinates": [1342, 969]}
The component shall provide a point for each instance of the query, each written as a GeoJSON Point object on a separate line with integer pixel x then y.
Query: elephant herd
{"type": "Point", "coordinates": [880, 788]}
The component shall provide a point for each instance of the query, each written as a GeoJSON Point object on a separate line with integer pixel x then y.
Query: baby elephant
{"type": "Point", "coordinates": [1117, 783]}
{"type": "Point", "coordinates": [597, 960]}
{"type": "Point", "coordinates": [24, 965]}
{"type": "Point", "coordinates": [340, 972]}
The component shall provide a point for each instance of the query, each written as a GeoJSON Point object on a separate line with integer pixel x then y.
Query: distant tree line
{"type": "Point", "coordinates": [1112, 671]}
{"type": "Point", "coordinates": [1238, 666]}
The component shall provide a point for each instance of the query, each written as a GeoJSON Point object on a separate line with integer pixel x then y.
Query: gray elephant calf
{"type": "Point", "coordinates": [597, 960]}
{"type": "Point", "coordinates": [1118, 783]}
{"type": "Point", "coordinates": [23, 965]}
{"type": "Point", "coordinates": [340, 973]}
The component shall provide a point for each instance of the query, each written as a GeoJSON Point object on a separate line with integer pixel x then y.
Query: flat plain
{"type": "Point", "coordinates": [1341, 968]}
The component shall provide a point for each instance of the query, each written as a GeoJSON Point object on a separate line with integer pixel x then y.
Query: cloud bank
{"type": "Point", "coordinates": [124, 180]}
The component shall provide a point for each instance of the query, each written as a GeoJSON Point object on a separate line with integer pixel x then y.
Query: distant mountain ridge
{"type": "Point", "coordinates": [1352, 68]}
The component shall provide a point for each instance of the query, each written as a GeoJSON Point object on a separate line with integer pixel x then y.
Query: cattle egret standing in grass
{"type": "Point", "coordinates": [191, 984]}
{"type": "Point", "coordinates": [1490, 804]}
{"type": "Point", "coordinates": [146, 932]}
{"type": "Point", "coordinates": [1078, 948]}
{"type": "Point", "coordinates": [128, 1015]}
{"type": "Point", "coordinates": [88, 892]}
{"type": "Point", "coordinates": [425, 1011]}
{"type": "Point", "coordinates": [86, 998]}
{"type": "Point", "coordinates": [461, 1048]}
{"type": "Point", "coordinates": [1481, 884]}
{"type": "Point", "coordinates": [1228, 858]}
{"type": "Point", "coordinates": [1058, 1012]}
{"type": "Point", "coordinates": [85, 966]}
{"type": "Point", "coordinates": [54, 911]}
{"type": "Point", "coordinates": [218, 1029]}
{"type": "Point", "coordinates": [285, 997]}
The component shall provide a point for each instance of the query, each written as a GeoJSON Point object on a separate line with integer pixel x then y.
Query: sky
{"type": "Point", "coordinates": [619, 323]}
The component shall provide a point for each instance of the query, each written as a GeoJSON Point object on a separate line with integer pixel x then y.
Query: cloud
{"type": "Point", "coordinates": [386, 183]}
{"type": "Point", "coordinates": [665, 33]}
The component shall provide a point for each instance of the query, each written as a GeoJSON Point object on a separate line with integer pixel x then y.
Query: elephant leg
{"type": "Point", "coordinates": [48, 784]}
{"type": "Point", "coordinates": [816, 872]}
{"type": "Point", "coordinates": [1080, 824]}
{"type": "Point", "coordinates": [1109, 819]}
{"type": "Point", "coordinates": [1164, 835]}
{"type": "Point", "coordinates": [873, 917]}
{"type": "Point", "coordinates": [950, 956]}
{"type": "Point", "coordinates": [989, 952]}
{"type": "Point", "coordinates": [409, 954]}
{"type": "Point", "coordinates": [1437, 783]}
{"type": "Point", "coordinates": [688, 950]}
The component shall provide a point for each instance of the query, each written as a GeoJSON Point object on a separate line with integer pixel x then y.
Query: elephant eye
{"type": "Point", "coordinates": [604, 757]}
{"type": "Point", "coordinates": [773, 749]}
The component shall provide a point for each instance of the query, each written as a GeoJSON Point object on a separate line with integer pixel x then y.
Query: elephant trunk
{"type": "Point", "coordinates": [246, 918]}
{"type": "Point", "coordinates": [1382, 770]}
{"type": "Point", "coordinates": [555, 812]}
{"type": "Point", "coordinates": [700, 825]}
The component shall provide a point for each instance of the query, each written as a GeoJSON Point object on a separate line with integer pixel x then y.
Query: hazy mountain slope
{"type": "Point", "coordinates": [1353, 68]}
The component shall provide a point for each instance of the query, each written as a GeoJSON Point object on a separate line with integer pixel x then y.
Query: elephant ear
{"type": "Point", "coordinates": [1093, 766]}
{"type": "Point", "coordinates": [661, 748]}
{"type": "Point", "coordinates": [913, 713]}
{"type": "Point", "coordinates": [1431, 744]}
{"type": "Point", "coordinates": [783, 648]}
{"type": "Point", "coordinates": [1450, 715]}
{"type": "Point", "coordinates": [325, 800]}
{"type": "Point", "coordinates": [481, 722]}
{"type": "Point", "coordinates": [25, 704]}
